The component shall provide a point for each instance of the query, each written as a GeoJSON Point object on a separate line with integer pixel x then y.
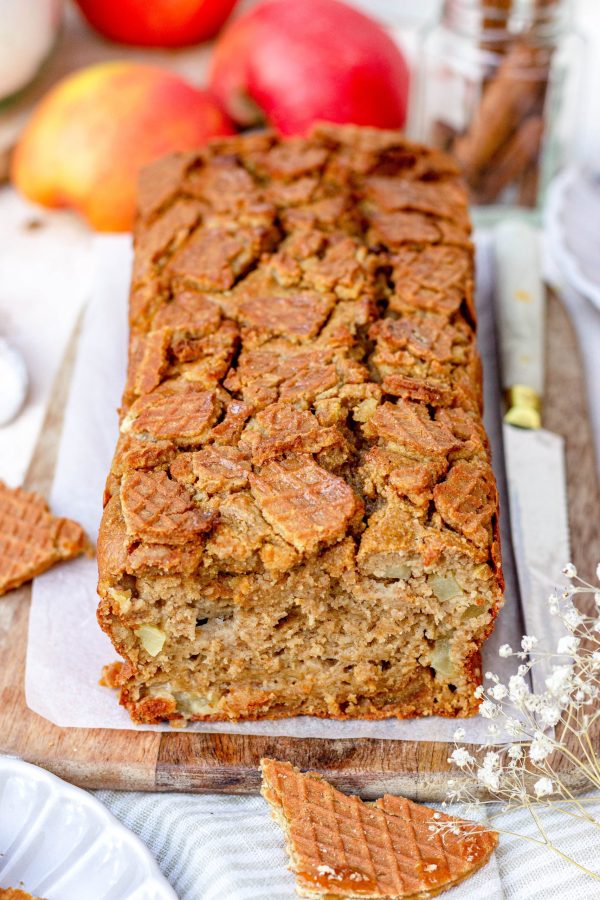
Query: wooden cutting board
{"type": "Point", "coordinates": [179, 761]}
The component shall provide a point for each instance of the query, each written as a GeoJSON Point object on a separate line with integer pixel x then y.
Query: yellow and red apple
{"type": "Point", "coordinates": [294, 63]}
{"type": "Point", "coordinates": [90, 136]}
{"type": "Point", "coordinates": [157, 23]}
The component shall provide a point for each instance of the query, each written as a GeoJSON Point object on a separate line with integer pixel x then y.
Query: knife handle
{"type": "Point", "coordinates": [521, 319]}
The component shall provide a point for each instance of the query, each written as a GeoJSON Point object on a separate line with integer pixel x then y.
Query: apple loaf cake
{"type": "Point", "coordinates": [301, 516]}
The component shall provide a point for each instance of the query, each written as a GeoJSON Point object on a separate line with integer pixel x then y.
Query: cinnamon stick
{"type": "Point", "coordinates": [513, 159]}
{"type": "Point", "coordinates": [495, 19]}
{"type": "Point", "coordinates": [506, 100]}
{"type": "Point", "coordinates": [529, 185]}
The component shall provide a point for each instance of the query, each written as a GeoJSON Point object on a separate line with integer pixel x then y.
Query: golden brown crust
{"type": "Point", "coordinates": [467, 500]}
{"type": "Point", "coordinates": [158, 510]}
{"type": "Point", "coordinates": [307, 505]}
{"type": "Point", "coordinates": [303, 376]}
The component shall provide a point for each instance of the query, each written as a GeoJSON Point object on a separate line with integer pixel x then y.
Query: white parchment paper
{"type": "Point", "coordinates": [66, 649]}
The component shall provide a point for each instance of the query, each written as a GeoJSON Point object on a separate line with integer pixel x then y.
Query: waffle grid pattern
{"type": "Point", "coordinates": [31, 538]}
{"type": "Point", "coordinates": [339, 844]}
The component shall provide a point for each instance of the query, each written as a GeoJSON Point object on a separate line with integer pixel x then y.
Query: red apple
{"type": "Point", "coordinates": [294, 63]}
{"type": "Point", "coordinates": [87, 140]}
{"type": "Point", "coordinates": [157, 23]}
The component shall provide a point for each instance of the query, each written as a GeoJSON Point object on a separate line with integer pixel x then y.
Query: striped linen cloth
{"type": "Point", "coordinates": [212, 847]}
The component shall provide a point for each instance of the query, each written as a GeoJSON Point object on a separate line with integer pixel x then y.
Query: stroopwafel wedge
{"type": "Point", "coordinates": [31, 538]}
{"type": "Point", "coordinates": [341, 847]}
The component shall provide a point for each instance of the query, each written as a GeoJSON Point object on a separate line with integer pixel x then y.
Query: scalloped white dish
{"type": "Point", "coordinates": [60, 843]}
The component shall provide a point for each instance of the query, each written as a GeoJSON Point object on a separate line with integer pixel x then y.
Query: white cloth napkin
{"type": "Point", "coordinates": [228, 848]}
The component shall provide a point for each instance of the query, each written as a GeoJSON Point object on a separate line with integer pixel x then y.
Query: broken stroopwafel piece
{"type": "Point", "coordinates": [32, 539]}
{"type": "Point", "coordinates": [341, 847]}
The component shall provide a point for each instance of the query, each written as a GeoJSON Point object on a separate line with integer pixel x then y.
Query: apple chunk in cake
{"type": "Point", "coordinates": [301, 516]}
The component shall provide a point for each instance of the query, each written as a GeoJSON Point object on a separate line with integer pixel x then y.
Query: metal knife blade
{"type": "Point", "coordinates": [535, 461]}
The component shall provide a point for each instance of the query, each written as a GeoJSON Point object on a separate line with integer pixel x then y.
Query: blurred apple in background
{"type": "Point", "coordinates": [157, 23]}
{"type": "Point", "coordinates": [292, 63]}
{"type": "Point", "coordinates": [28, 29]}
{"type": "Point", "coordinates": [89, 137]}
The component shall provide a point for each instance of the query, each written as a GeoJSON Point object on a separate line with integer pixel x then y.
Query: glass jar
{"type": "Point", "coordinates": [498, 90]}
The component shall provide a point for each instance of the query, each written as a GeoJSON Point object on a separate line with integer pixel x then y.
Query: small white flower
{"type": "Point", "coordinates": [597, 599]}
{"type": "Point", "coordinates": [568, 645]}
{"type": "Point", "coordinates": [549, 715]}
{"type": "Point", "coordinates": [523, 670]}
{"type": "Point", "coordinates": [598, 571]}
{"type": "Point", "coordinates": [513, 727]}
{"type": "Point", "coordinates": [559, 680]}
{"type": "Point", "coordinates": [517, 688]}
{"type": "Point", "coordinates": [570, 571]}
{"type": "Point", "coordinates": [572, 618]}
{"type": "Point", "coordinates": [461, 757]}
{"type": "Point", "coordinates": [528, 642]}
{"type": "Point", "coordinates": [490, 778]}
{"type": "Point", "coordinates": [595, 659]}
{"type": "Point", "coordinates": [543, 787]}
{"type": "Point", "coordinates": [505, 651]}
{"type": "Point", "coordinates": [498, 692]}
{"type": "Point", "coordinates": [515, 752]}
{"type": "Point", "coordinates": [459, 734]}
{"type": "Point", "coordinates": [489, 710]}
{"type": "Point", "coordinates": [491, 760]}
{"type": "Point", "coordinates": [540, 748]}
{"type": "Point", "coordinates": [532, 702]}
{"type": "Point", "coordinates": [479, 691]}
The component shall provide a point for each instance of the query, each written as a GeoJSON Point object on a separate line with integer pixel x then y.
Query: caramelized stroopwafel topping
{"type": "Point", "coordinates": [31, 538]}
{"type": "Point", "coordinates": [342, 847]}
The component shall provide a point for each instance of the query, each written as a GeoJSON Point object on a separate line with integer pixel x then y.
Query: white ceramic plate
{"type": "Point", "coordinates": [59, 842]}
{"type": "Point", "coordinates": [571, 219]}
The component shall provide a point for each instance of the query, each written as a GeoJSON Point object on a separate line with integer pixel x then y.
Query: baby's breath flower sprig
{"type": "Point", "coordinates": [552, 726]}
